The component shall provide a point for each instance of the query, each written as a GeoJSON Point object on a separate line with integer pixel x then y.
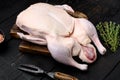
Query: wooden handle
{"type": "Point", "coordinates": [63, 76]}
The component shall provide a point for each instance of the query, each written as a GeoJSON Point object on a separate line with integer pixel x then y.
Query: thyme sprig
{"type": "Point", "coordinates": [110, 33]}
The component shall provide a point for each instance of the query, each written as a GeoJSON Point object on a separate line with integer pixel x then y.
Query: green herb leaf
{"type": "Point", "coordinates": [110, 33]}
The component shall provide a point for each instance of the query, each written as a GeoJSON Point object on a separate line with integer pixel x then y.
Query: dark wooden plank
{"type": "Point", "coordinates": [105, 65]}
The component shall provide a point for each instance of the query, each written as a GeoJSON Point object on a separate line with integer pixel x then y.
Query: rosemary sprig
{"type": "Point", "coordinates": [110, 32]}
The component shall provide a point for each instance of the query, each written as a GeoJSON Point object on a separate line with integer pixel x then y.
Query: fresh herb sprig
{"type": "Point", "coordinates": [110, 32]}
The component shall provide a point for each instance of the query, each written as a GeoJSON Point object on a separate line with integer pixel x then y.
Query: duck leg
{"type": "Point", "coordinates": [61, 50]}
{"type": "Point", "coordinates": [92, 33]}
{"type": "Point", "coordinates": [32, 39]}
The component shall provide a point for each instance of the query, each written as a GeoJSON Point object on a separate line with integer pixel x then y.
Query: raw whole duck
{"type": "Point", "coordinates": [64, 35]}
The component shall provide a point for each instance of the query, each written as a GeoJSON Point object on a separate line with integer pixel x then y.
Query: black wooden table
{"type": "Point", "coordinates": [106, 67]}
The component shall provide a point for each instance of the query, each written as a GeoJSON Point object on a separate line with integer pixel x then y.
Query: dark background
{"type": "Point", "coordinates": [106, 67]}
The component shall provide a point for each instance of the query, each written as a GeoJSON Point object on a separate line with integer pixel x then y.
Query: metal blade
{"type": "Point", "coordinates": [51, 74]}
